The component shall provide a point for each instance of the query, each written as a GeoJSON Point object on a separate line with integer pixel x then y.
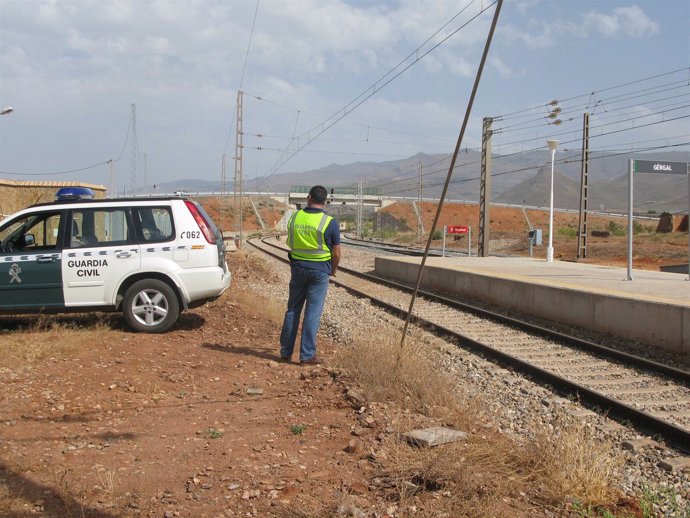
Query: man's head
{"type": "Point", "coordinates": [317, 195]}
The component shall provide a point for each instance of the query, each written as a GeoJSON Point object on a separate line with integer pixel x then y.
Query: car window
{"type": "Point", "coordinates": [155, 223]}
{"type": "Point", "coordinates": [38, 231]}
{"type": "Point", "coordinates": [98, 227]}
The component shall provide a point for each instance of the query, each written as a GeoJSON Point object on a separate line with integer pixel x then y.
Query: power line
{"type": "Point", "coordinates": [80, 169]}
{"type": "Point", "coordinates": [368, 127]}
{"type": "Point", "coordinates": [57, 172]}
{"type": "Point", "coordinates": [375, 88]}
{"type": "Point", "coordinates": [520, 125]}
{"type": "Point", "coordinates": [631, 119]}
{"type": "Point", "coordinates": [590, 94]}
{"type": "Point", "coordinates": [533, 166]}
{"type": "Point", "coordinates": [244, 67]}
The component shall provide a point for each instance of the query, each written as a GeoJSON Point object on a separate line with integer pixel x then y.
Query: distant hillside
{"type": "Point", "coordinates": [516, 178]}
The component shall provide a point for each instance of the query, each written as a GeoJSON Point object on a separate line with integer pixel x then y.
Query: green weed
{"type": "Point", "coordinates": [298, 429]}
{"type": "Point", "coordinates": [213, 433]}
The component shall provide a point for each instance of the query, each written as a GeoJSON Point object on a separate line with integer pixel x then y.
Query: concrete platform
{"type": "Point", "coordinates": [653, 308]}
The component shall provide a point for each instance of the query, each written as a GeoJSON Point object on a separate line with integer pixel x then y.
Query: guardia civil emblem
{"type": "Point", "coordinates": [15, 270]}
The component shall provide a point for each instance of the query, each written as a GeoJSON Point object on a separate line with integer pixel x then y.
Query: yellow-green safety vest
{"type": "Point", "coordinates": [306, 236]}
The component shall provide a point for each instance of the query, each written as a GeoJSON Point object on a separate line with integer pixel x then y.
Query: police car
{"type": "Point", "coordinates": [149, 258]}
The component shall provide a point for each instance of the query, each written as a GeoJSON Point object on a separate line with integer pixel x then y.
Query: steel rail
{"type": "Point", "coordinates": [676, 435]}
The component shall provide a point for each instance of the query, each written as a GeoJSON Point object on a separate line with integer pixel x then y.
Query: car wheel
{"type": "Point", "coordinates": [150, 306]}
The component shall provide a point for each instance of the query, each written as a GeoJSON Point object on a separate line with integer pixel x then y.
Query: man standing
{"type": "Point", "coordinates": [314, 241]}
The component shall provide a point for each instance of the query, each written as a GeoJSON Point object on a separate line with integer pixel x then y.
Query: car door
{"type": "Point", "coordinates": [30, 261]}
{"type": "Point", "coordinates": [101, 251]}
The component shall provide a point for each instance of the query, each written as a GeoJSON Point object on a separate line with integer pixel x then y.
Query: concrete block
{"type": "Point", "coordinates": [675, 464]}
{"type": "Point", "coordinates": [429, 437]}
{"type": "Point", "coordinates": [638, 444]}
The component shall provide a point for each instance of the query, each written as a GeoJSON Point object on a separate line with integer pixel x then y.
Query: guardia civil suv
{"type": "Point", "coordinates": [150, 258]}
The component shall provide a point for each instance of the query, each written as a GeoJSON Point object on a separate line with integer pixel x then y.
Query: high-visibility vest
{"type": "Point", "coordinates": [306, 236]}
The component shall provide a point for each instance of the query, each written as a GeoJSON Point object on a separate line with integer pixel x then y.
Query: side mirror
{"type": "Point", "coordinates": [28, 240]}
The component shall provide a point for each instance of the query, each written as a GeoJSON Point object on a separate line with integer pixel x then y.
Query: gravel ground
{"type": "Point", "coordinates": [513, 404]}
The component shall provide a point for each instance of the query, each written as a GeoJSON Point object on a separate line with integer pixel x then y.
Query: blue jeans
{"type": "Point", "coordinates": [308, 286]}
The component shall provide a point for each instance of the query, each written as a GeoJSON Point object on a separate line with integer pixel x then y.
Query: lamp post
{"type": "Point", "coordinates": [553, 144]}
{"type": "Point", "coordinates": [6, 110]}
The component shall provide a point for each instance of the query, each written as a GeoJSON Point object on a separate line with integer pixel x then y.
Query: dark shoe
{"type": "Point", "coordinates": [311, 361]}
{"type": "Point", "coordinates": [285, 359]}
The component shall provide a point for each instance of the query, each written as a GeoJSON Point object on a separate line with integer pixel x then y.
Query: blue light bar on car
{"type": "Point", "coordinates": [74, 193]}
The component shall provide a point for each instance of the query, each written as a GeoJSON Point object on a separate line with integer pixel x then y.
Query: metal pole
{"type": "Point", "coordinates": [688, 165]}
{"type": "Point", "coordinates": [485, 191]}
{"type": "Point", "coordinates": [469, 243]}
{"type": "Point", "coordinates": [549, 249]}
{"type": "Point", "coordinates": [443, 249]}
{"type": "Point", "coordinates": [584, 191]}
{"type": "Point", "coordinates": [630, 219]}
{"type": "Point", "coordinates": [468, 110]}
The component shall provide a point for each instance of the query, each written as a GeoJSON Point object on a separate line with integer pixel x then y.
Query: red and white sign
{"type": "Point", "coordinates": [457, 229]}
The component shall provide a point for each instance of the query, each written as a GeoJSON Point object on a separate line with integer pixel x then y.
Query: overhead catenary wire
{"type": "Point", "coordinates": [244, 67]}
{"type": "Point", "coordinates": [373, 90]}
{"type": "Point", "coordinates": [530, 167]}
{"type": "Point", "coordinates": [441, 200]}
{"type": "Point", "coordinates": [608, 114]}
{"type": "Point", "coordinates": [563, 160]}
{"type": "Point", "coordinates": [302, 112]}
{"type": "Point", "coordinates": [593, 128]}
{"type": "Point", "coordinates": [594, 92]}
{"type": "Point", "coordinates": [429, 172]}
{"type": "Point", "coordinates": [606, 103]}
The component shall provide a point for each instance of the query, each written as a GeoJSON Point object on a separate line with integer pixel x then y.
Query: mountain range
{"type": "Point", "coordinates": [519, 178]}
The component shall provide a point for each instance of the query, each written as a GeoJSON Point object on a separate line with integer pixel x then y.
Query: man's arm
{"type": "Point", "coordinates": [335, 259]}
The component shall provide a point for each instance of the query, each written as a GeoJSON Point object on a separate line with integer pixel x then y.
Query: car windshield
{"type": "Point", "coordinates": [14, 229]}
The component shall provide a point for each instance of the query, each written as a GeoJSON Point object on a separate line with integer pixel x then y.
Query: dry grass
{"type": "Point", "coordinates": [568, 462]}
{"type": "Point", "coordinates": [385, 372]}
{"type": "Point", "coordinates": [472, 476]}
{"type": "Point", "coordinates": [27, 340]}
{"type": "Point", "coordinates": [269, 308]}
{"type": "Point", "coordinates": [565, 461]}
{"type": "Point", "coordinates": [106, 481]}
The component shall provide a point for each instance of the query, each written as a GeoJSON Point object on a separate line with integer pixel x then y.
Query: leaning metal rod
{"type": "Point", "coordinates": [450, 169]}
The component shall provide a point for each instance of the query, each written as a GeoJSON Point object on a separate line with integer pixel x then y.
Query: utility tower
{"type": "Point", "coordinates": [485, 190]}
{"type": "Point", "coordinates": [134, 151]}
{"type": "Point", "coordinates": [237, 207]}
{"type": "Point", "coordinates": [584, 191]}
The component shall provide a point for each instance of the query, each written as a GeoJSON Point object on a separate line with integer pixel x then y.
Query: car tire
{"type": "Point", "coordinates": [150, 306]}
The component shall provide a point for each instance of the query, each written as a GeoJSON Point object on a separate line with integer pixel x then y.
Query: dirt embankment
{"type": "Point", "coordinates": [509, 228]}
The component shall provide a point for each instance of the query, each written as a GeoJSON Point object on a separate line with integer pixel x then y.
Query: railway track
{"type": "Point", "coordinates": [651, 396]}
{"type": "Point", "coordinates": [397, 248]}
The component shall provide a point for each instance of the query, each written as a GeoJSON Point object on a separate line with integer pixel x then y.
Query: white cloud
{"type": "Point", "coordinates": [503, 69]}
{"type": "Point", "coordinates": [627, 20]}
{"type": "Point", "coordinates": [180, 61]}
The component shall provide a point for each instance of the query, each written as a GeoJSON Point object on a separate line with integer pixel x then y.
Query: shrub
{"type": "Point", "coordinates": [616, 229]}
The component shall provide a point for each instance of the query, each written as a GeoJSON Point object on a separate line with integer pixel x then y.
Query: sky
{"type": "Point", "coordinates": [325, 81]}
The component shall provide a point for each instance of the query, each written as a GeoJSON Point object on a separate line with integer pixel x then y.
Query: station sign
{"type": "Point", "coordinates": [659, 167]}
{"type": "Point", "coordinates": [457, 229]}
